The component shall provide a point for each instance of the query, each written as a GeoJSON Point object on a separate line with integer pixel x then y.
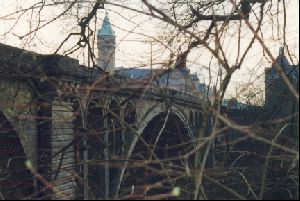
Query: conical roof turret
{"type": "Point", "coordinates": [106, 29]}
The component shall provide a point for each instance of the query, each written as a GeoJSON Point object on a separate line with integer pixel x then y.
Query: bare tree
{"type": "Point", "coordinates": [249, 153]}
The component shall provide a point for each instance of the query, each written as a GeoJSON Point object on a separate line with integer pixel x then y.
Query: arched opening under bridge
{"type": "Point", "coordinates": [16, 181]}
{"type": "Point", "coordinates": [156, 163]}
{"type": "Point", "coordinates": [95, 148]}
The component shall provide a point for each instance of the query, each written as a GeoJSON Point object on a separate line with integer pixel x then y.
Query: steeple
{"type": "Point", "coordinates": [106, 29]}
{"type": "Point", "coordinates": [106, 46]}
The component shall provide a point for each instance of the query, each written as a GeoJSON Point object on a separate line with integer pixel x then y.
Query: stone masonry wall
{"type": "Point", "coordinates": [17, 105]}
{"type": "Point", "coordinates": [63, 164]}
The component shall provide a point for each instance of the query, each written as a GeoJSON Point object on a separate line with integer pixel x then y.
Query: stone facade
{"type": "Point", "coordinates": [63, 164]}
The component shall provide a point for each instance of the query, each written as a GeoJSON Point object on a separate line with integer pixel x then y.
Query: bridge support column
{"type": "Point", "coordinates": [63, 150]}
{"type": "Point", "coordinates": [56, 152]}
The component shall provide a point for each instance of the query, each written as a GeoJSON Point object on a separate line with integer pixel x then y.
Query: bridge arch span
{"type": "Point", "coordinates": [17, 104]}
{"type": "Point", "coordinates": [156, 110]}
{"type": "Point", "coordinates": [113, 102]}
{"type": "Point", "coordinates": [130, 116]}
{"type": "Point", "coordinates": [155, 115]}
{"type": "Point", "coordinates": [16, 181]}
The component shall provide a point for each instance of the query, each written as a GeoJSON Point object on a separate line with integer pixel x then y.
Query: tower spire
{"type": "Point", "coordinates": [106, 46]}
{"type": "Point", "coordinates": [106, 28]}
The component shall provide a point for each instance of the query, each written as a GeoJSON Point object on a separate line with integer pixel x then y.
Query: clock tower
{"type": "Point", "coordinates": [106, 43]}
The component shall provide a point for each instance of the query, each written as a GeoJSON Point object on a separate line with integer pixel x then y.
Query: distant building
{"type": "Point", "coordinates": [278, 97]}
{"type": "Point", "coordinates": [234, 104]}
{"type": "Point", "coordinates": [280, 103]}
{"type": "Point", "coordinates": [179, 80]}
{"type": "Point", "coordinates": [174, 80]}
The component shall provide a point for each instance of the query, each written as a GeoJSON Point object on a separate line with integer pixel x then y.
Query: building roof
{"type": "Point", "coordinates": [135, 73]}
{"type": "Point", "coordinates": [144, 72]}
{"type": "Point", "coordinates": [285, 64]}
{"type": "Point", "coordinates": [106, 29]}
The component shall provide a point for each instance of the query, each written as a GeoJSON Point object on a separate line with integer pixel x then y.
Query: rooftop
{"type": "Point", "coordinates": [106, 29]}
{"type": "Point", "coordinates": [284, 63]}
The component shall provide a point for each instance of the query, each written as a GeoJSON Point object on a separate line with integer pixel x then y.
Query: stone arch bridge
{"type": "Point", "coordinates": [66, 119]}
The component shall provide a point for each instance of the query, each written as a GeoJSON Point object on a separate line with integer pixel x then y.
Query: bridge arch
{"type": "Point", "coordinates": [95, 146]}
{"type": "Point", "coordinates": [145, 124]}
{"type": "Point", "coordinates": [17, 104]}
{"type": "Point", "coordinates": [130, 116]}
{"type": "Point", "coordinates": [115, 140]}
{"type": "Point", "coordinates": [113, 101]}
{"type": "Point", "coordinates": [114, 127]}
{"type": "Point", "coordinates": [155, 111]}
{"type": "Point", "coordinates": [16, 181]}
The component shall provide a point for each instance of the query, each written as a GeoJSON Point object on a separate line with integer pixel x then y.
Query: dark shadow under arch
{"type": "Point", "coordinates": [115, 143]}
{"type": "Point", "coordinates": [167, 137]}
{"type": "Point", "coordinates": [115, 130]}
{"type": "Point", "coordinates": [95, 148]}
{"type": "Point", "coordinates": [130, 115]}
{"type": "Point", "coordinates": [16, 181]}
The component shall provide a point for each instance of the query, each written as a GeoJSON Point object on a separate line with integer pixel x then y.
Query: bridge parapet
{"type": "Point", "coordinates": [65, 74]}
